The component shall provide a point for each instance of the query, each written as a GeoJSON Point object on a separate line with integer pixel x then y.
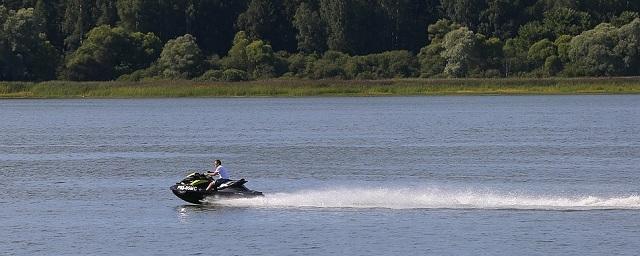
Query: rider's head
{"type": "Point", "coordinates": [217, 162]}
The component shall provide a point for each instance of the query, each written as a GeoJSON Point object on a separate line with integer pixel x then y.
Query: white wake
{"type": "Point", "coordinates": [431, 199]}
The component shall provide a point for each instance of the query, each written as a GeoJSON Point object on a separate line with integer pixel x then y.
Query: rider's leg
{"type": "Point", "coordinates": [212, 184]}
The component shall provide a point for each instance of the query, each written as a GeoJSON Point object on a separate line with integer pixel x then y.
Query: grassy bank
{"type": "Point", "coordinates": [298, 88]}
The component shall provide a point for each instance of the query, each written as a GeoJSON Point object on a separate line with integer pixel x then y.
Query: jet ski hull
{"type": "Point", "coordinates": [187, 193]}
{"type": "Point", "coordinates": [195, 194]}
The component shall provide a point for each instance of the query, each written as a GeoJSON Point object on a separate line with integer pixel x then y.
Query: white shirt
{"type": "Point", "coordinates": [224, 174]}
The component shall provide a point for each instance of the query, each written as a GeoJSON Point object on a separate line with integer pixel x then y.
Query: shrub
{"type": "Point", "coordinates": [25, 53]}
{"type": "Point", "coordinates": [181, 58]}
{"type": "Point", "coordinates": [382, 65]}
{"type": "Point", "coordinates": [431, 62]}
{"type": "Point", "coordinates": [234, 75]}
{"type": "Point", "coordinates": [540, 51]}
{"type": "Point", "coordinates": [331, 65]}
{"type": "Point", "coordinates": [108, 53]}
{"type": "Point", "coordinates": [592, 52]}
{"type": "Point", "coordinates": [552, 65]}
{"type": "Point", "coordinates": [211, 76]}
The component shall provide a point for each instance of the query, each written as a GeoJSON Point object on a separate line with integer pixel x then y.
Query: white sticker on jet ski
{"type": "Point", "coordinates": [190, 188]}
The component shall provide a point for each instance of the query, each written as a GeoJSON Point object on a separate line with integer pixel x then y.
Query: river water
{"type": "Point", "coordinates": [475, 175]}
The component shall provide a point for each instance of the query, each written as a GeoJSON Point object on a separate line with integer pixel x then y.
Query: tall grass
{"type": "Point", "coordinates": [301, 88]}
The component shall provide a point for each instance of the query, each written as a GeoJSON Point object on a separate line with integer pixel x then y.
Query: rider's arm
{"type": "Point", "coordinates": [216, 171]}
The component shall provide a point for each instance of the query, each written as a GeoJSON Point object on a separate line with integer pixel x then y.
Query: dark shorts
{"type": "Point", "coordinates": [219, 182]}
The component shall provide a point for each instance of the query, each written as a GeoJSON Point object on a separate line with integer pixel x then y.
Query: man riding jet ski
{"type": "Point", "coordinates": [197, 186]}
{"type": "Point", "coordinates": [218, 169]}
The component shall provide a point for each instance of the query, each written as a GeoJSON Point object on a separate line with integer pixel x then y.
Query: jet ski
{"type": "Point", "coordinates": [193, 189]}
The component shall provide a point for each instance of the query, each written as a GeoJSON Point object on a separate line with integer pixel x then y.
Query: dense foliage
{"type": "Point", "coordinates": [224, 40]}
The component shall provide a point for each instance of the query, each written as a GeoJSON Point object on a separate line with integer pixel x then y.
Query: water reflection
{"type": "Point", "coordinates": [186, 213]}
{"type": "Point", "coordinates": [189, 212]}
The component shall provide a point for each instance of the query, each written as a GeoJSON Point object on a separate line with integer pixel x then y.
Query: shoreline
{"type": "Point", "coordinates": [321, 88]}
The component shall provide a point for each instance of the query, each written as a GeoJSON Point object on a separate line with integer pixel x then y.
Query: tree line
{"type": "Point", "coordinates": [224, 40]}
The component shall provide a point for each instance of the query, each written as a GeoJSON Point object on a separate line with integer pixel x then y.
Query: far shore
{"type": "Point", "coordinates": [319, 88]}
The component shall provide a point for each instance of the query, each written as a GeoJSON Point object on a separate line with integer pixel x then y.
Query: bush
{"type": "Point", "coordinates": [331, 65]}
{"type": "Point", "coordinates": [181, 58]}
{"type": "Point", "coordinates": [628, 46]}
{"type": "Point", "coordinates": [136, 76]}
{"type": "Point", "coordinates": [149, 73]}
{"type": "Point", "coordinates": [397, 64]}
{"type": "Point", "coordinates": [212, 62]}
{"type": "Point", "coordinates": [261, 60]}
{"type": "Point", "coordinates": [108, 53]}
{"type": "Point", "coordinates": [540, 51]}
{"type": "Point", "coordinates": [592, 52]}
{"type": "Point", "coordinates": [552, 65]}
{"type": "Point", "coordinates": [492, 73]}
{"type": "Point", "coordinates": [326, 69]}
{"type": "Point", "coordinates": [624, 18]}
{"type": "Point", "coordinates": [301, 65]}
{"type": "Point", "coordinates": [431, 62]}
{"type": "Point", "coordinates": [25, 53]}
{"type": "Point", "coordinates": [234, 75]}
{"type": "Point", "coordinates": [382, 65]}
{"type": "Point", "coordinates": [460, 51]}
{"type": "Point", "coordinates": [211, 76]}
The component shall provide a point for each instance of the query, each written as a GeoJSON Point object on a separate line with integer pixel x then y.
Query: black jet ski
{"type": "Point", "coordinates": [193, 189]}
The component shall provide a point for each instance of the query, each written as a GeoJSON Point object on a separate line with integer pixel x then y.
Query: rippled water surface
{"type": "Point", "coordinates": [519, 175]}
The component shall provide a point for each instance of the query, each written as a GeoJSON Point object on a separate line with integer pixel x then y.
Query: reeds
{"type": "Point", "coordinates": [302, 88]}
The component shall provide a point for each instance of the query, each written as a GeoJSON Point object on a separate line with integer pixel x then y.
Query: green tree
{"type": "Point", "coordinates": [516, 50]}
{"type": "Point", "coordinates": [491, 56]}
{"type": "Point", "coordinates": [562, 44]}
{"type": "Point", "coordinates": [516, 61]}
{"type": "Point", "coordinates": [213, 24]}
{"type": "Point", "coordinates": [537, 10]}
{"type": "Point", "coordinates": [331, 65]}
{"type": "Point", "coordinates": [234, 75]}
{"type": "Point", "coordinates": [129, 14]}
{"type": "Point", "coordinates": [552, 65]}
{"type": "Point", "coordinates": [502, 18]}
{"type": "Point", "coordinates": [105, 12]}
{"type": "Point", "coordinates": [16, 4]}
{"type": "Point", "coordinates": [382, 65]}
{"type": "Point", "coordinates": [465, 12]}
{"type": "Point", "coordinates": [25, 53]}
{"type": "Point", "coordinates": [237, 56]}
{"type": "Point", "coordinates": [628, 46]}
{"type": "Point", "coordinates": [312, 33]}
{"type": "Point", "coordinates": [459, 49]}
{"type": "Point", "coordinates": [603, 10]}
{"type": "Point", "coordinates": [268, 20]}
{"type": "Point", "coordinates": [181, 58]}
{"type": "Point", "coordinates": [77, 21]}
{"type": "Point", "coordinates": [49, 14]}
{"type": "Point", "coordinates": [624, 18]}
{"type": "Point", "coordinates": [592, 52]}
{"type": "Point", "coordinates": [108, 53]}
{"type": "Point", "coordinates": [566, 21]}
{"type": "Point", "coordinates": [254, 57]}
{"type": "Point", "coordinates": [533, 32]}
{"type": "Point", "coordinates": [540, 51]}
{"type": "Point", "coordinates": [431, 61]}
{"type": "Point", "coordinates": [166, 19]}
{"type": "Point", "coordinates": [300, 65]}
{"type": "Point", "coordinates": [442, 27]}
{"type": "Point", "coordinates": [400, 63]}
{"type": "Point", "coordinates": [334, 14]}
{"type": "Point", "coordinates": [402, 18]}
{"type": "Point", "coordinates": [261, 60]}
